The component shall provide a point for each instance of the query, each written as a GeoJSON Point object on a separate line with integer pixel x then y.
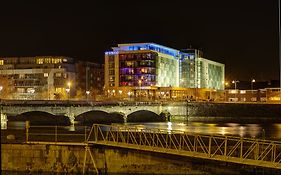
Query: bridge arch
{"type": "Point", "coordinates": [145, 116]}
{"type": "Point", "coordinates": [40, 118]}
{"type": "Point", "coordinates": [98, 116]}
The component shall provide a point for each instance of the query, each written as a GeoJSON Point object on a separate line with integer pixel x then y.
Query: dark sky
{"type": "Point", "coordinates": [242, 34]}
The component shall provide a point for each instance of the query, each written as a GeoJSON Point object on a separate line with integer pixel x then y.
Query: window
{"type": "Point", "coordinates": [20, 90]}
{"type": "Point", "coordinates": [39, 61]}
{"type": "Point", "coordinates": [58, 74]}
{"type": "Point", "coordinates": [111, 72]}
{"type": "Point", "coordinates": [46, 74]}
{"type": "Point", "coordinates": [59, 90]}
{"type": "Point", "coordinates": [242, 92]}
{"type": "Point", "coordinates": [56, 60]}
{"type": "Point", "coordinates": [111, 65]}
{"type": "Point", "coordinates": [1, 62]}
{"type": "Point", "coordinates": [233, 91]}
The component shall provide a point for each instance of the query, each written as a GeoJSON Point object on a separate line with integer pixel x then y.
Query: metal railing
{"type": "Point", "coordinates": [248, 151]}
{"type": "Point", "coordinates": [56, 134]}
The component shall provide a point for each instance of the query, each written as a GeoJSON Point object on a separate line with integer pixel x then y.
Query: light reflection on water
{"type": "Point", "coordinates": [272, 131]}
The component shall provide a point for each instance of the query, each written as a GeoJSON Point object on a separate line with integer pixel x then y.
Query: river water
{"type": "Point", "coordinates": [252, 130]}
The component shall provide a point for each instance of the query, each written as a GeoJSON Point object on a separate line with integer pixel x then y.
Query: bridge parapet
{"type": "Point", "coordinates": [72, 109]}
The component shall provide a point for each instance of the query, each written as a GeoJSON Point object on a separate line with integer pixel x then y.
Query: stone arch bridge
{"type": "Point", "coordinates": [72, 109]}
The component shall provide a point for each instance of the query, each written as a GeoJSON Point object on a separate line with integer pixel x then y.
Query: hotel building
{"type": "Point", "coordinates": [153, 71]}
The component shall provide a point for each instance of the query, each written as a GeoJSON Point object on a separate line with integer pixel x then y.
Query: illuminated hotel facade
{"type": "Point", "coordinates": [153, 71]}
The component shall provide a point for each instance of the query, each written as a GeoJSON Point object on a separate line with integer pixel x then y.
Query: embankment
{"type": "Point", "coordinates": [39, 158]}
{"type": "Point", "coordinates": [234, 112]}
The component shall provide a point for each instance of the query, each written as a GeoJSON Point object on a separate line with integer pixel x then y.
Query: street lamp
{"type": "Point", "coordinates": [252, 84]}
{"type": "Point", "coordinates": [68, 90]}
{"type": "Point", "coordinates": [120, 93]}
{"type": "Point", "coordinates": [235, 82]}
{"type": "Point", "coordinates": [129, 94]}
{"type": "Point", "coordinates": [140, 88]}
{"type": "Point", "coordinates": [87, 93]}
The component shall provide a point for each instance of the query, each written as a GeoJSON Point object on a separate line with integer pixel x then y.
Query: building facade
{"type": "Point", "coordinates": [142, 68]}
{"type": "Point", "coordinates": [90, 79]}
{"type": "Point", "coordinates": [40, 78]}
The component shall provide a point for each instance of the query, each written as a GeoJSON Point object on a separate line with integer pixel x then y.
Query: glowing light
{"type": "Point", "coordinates": [169, 127]}
{"type": "Point", "coordinates": [111, 53]}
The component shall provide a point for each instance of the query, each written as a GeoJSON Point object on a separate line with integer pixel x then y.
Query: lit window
{"type": "Point", "coordinates": [242, 92]}
{"type": "Point", "coordinates": [40, 61]}
{"type": "Point", "coordinates": [58, 74]}
{"type": "Point", "coordinates": [48, 60]}
{"type": "Point", "coordinates": [1, 62]}
{"type": "Point", "coordinates": [56, 60]}
{"type": "Point", "coordinates": [275, 98]}
{"type": "Point", "coordinates": [59, 90]}
{"type": "Point", "coordinates": [233, 91]}
{"type": "Point", "coordinates": [46, 74]}
{"type": "Point", "coordinates": [20, 90]}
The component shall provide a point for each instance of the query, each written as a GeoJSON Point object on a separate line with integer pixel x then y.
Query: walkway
{"type": "Point", "coordinates": [247, 151]}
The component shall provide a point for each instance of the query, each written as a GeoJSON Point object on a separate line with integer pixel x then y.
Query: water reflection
{"type": "Point", "coordinates": [265, 131]}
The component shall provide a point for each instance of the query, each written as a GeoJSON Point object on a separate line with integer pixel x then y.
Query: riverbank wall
{"type": "Point", "coordinates": [40, 158]}
{"type": "Point", "coordinates": [234, 112]}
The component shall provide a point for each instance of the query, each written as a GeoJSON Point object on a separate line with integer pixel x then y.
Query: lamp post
{"type": "Point", "coordinates": [120, 94]}
{"type": "Point", "coordinates": [87, 94]}
{"type": "Point", "coordinates": [68, 90]}
{"type": "Point", "coordinates": [235, 83]}
{"type": "Point", "coordinates": [252, 84]}
{"type": "Point", "coordinates": [140, 88]}
{"type": "Point", "coordinates": [129, 94]}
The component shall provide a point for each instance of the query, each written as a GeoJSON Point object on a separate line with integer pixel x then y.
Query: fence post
{"type": "Point", "coordinates": [56, 132]}
{"type": "Point", "coordinates": [85, 134]}
{"type": "Point", "coordinates": [27, 130]}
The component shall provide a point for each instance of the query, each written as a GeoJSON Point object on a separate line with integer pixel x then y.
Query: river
{"type": "Point", "coordinates": [252, 130]}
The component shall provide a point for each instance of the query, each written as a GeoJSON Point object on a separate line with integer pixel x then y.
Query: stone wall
{"type": "Point", "coordinates": [234, 112]}
{"type": "Point", "coordinates": [54, 158]}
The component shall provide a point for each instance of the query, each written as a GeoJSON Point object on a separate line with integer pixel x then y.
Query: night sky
{"type": "Point", "coordinates": [242, 34]}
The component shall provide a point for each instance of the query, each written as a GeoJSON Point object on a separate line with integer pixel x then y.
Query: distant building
{"type": "Point", "coordinates": [40, 77]}
{"type": "Point", "coordinates": [260, 95]}
{"type": "Point", "coordinates": [131, 68]}
{"type": "Point", "coordinates": [90, 78]}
